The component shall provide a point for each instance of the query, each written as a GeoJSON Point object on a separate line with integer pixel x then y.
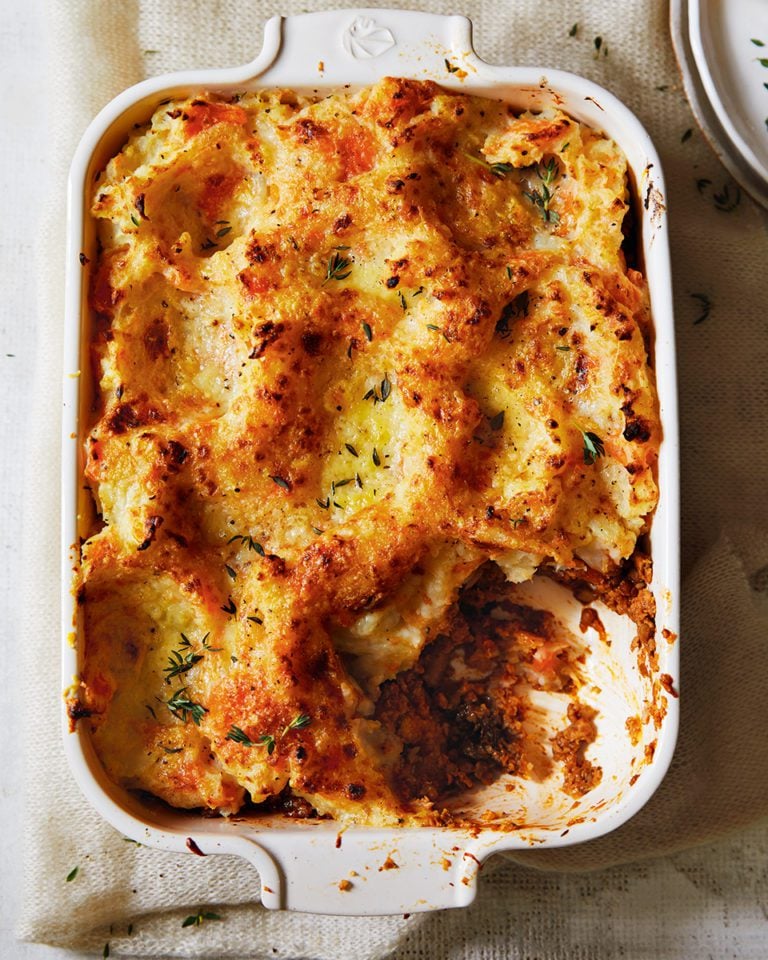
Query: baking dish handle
{"type": "Point", "coordinates": [359, 46]}
{"type": "Point", "coordinates": [363, 873]}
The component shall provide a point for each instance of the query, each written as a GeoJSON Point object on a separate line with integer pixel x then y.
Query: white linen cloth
{"type": "Point", "coordinates": [719, 779]}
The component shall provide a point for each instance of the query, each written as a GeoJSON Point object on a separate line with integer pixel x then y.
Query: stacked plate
{"type": "Point", "coordinates": [722, 49]}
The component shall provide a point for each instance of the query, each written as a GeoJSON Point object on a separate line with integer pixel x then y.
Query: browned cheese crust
{"type": "Point", "coordinates": [345, 351]}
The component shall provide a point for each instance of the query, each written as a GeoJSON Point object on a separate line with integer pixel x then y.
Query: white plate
{"type": "Point", "coordinates": [723, 81]}
{"type": "Point", "coordinates": [722, 39]}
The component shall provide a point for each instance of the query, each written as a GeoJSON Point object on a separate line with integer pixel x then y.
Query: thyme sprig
{"type": "Point", "coordinates": [183, 708]}
{"type": "Point", "coordinates": [179, 663]}
{"type": "Point", "coordinates": [547, 173]}
{"type": "Point", "coordinates": [339, 267]}
{"type": "Point", "coordinates": [247, 541]}
{"type": "Point", "coordinates": [238, 735]}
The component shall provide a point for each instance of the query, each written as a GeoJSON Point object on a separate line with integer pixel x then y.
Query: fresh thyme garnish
{"type": "Point", "coordinates": [598, 45]}
{"type": "Point", "coordinates": [385, 389]}
{"type": "Point", "coordinates": [358, 481]}
{"type": "Point", "coordinates": [574, 30]}
{"type": "Point", "coordinates": [280, 481]}
{"type": "Point", "coordinates": [179, 662]}
{"type": "Point", "coordinates": [351, 449]}
{"type": "Point", "coordinates": [376, 458]}
{"type": "Point", "coordinates": [197, 919]}
{"type": "Point", "coordinates": [208, 244]}
{"type": "Point", "coordinates": [433, 326]}
{"type": "Point", "coordinates": [323, 504]}
{"type": "Point", "coordinates": [516, 521]}
{"type": "Point", "coordinates": [134, 220]}
{"type": "Point", "coordinates": [229, 607]}
{"type": "Point", "coordinates": [403, 302]}
{"type": "Point", "coordinates": [450, 67]}
{"type": "Point", "coordinates": [236, 735]}
{"type": "Point", "coordinates": [499, 170]}
{"type": "Point", "coordinates": [542, 198]}
{"type": "Point", "coordinates": [72, 874]}
{"type": "Point", "coordinates": [173, 749]}
{"type": "Point", "coordinates": [249, 542]}
{"type": "Point", "coordinates": [105, 951]}
{"type": "Point", "coordinates": [183, 708]}
{"type": "Point", "coordinates": [497, 421]}
{"type": "Point", "coordinates": [298, 723]}
{"type": "Point", "coordinates": [368, 332]}
{"type": "Point", "coordinates": [253, 619]}
{"type": "Point", "coordinates": [318, 531]}
{"type": "Point", "coordinates": [563, 349]}
{"type": "Point", "coordinates": [418, 292]}
{"type": "Point", "coordinates": [223, 232]}
{"type": "Point", "coordinates": [509, 272]}
{"type": "Point", "coordinates": [687, 135]}
{"type": "Point", "coordinates": [706, 307]}
{"type": "Point", "coordinates": [593, 447]}
{"type": "Point", "coordinates": [757, 43]}
{"type": "Point", "coordinates": [339, 267]}
{"type": "Point", "coordinates": [341, 483]}
{"type": "Point", "coordinates": [724, 201]}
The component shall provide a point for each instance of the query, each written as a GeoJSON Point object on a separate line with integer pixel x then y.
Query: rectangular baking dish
{"type": "Point", "coordinates": [301, 864]}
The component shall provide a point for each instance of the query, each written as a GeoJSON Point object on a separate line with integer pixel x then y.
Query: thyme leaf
{"type": "Point", "coordinates": [593, 447]}
{"type": "Point", "coordinates": [706, 307]}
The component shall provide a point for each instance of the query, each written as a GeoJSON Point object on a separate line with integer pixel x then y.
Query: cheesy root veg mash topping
{"type": "Point", "coordinates": [361, 362]}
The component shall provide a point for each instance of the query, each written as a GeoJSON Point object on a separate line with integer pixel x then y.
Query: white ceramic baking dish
{"type": "Point", "coordinates": [301, 864]}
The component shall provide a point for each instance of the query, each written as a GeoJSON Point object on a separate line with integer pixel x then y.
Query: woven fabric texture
{"type": "Point", "coordinates": [719, 778]}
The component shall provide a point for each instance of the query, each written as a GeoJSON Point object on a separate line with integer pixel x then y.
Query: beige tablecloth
{"type": "Point", "coordinates": [719, 779]}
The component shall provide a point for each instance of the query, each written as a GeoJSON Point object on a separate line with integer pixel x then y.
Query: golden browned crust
{"type": "Point", "coordinates": [346, 351]}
